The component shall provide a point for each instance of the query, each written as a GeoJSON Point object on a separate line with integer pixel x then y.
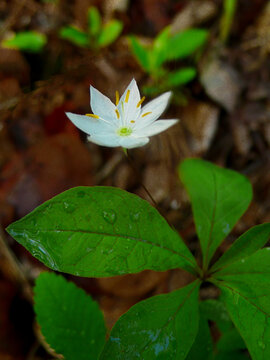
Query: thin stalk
{"type": "Point", "coordinates": [229, 8]}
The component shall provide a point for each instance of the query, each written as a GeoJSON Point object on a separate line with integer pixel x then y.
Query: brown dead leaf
{"type": "Point", "coordinates": [46, 169]}
{"type": "Point", "coordinates": [221, 82]}
{"type": "Point", "coordinates": [201, 121]}
{"type": "Point", "coordinates": [134, 285]}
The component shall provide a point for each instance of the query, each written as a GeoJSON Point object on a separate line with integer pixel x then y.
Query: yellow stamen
{"type": "Point", "coordinates": [132, 121]}
{"type": "Point", "coordinates": [117, 113]}
{"type": "Point", "coordinates": [127, 96]}
{"type": "Point", "coordinates": [93, 116]}
{"type": "Point", "coordinates": [141, 101]}
{"type": "Point", "coordinates": [116, 97]}
{"type": "Point", "coordinates": [150, 112]}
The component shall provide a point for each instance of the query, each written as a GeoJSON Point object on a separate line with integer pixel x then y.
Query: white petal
{"type": "Point", "coordinates": [90, 125]}
{"type": "Point", "coordinates": [156, 107]}
{"type": "Point", "coordinates": [102, 106]}
{"type": "Point", "coordinates": [155, 128]}
{"type": "Point", "coordinates": [129, 110]}
{"type": "Point", "coordinates": [130, 142]}
{"type": "Point", "coordinates": [109, 140]}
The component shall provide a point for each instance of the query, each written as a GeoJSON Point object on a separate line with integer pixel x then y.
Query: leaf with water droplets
{"type": "Point", "coordinates": [70, 320]}
{"type": "Point", "coordinates": [219, 198]}
{"type": "Point", "coordinates": [101, 231]}
{"type": "Point", "coordinates": [161, 327]}
{"type": "Point", "coordinates": [245, 291]}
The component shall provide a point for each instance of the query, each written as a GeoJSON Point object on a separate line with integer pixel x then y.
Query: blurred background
{"type": "Point", "coordinates": [213, 55]}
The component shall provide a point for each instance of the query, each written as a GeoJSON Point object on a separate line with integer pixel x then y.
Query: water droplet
{"type": "Point", "coordinates": [69, 207]}
{"type": "Point", "coordinates": [261, 344]}
{"type": "Point", "coordinates": [110, 216]}
{"type": "Point", "coordinates": [135, 216]}
{"type": "Point", "coordinates": [80, 194]}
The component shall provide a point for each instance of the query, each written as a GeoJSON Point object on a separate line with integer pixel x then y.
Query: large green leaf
{"type": "Point", "coordinates": [70, 320]}
{"type": "Point", "coordinates": [101, 231]}
{"type": "Point", "coordinates": [186, 42]}
{"type": "Point", "coordinates": [219, 197]}
{"type": "Point", "coordinates": [162, 327]}
{"type": "Point", "coordinates": [31, 41]}
{"type": "Point", "coordinates": [245, 291]}
{"type": "Point", "coordinates": [251, 241]}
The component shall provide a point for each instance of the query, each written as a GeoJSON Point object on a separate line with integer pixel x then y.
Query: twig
{"type": "Point", "coordinates": [14, 268]}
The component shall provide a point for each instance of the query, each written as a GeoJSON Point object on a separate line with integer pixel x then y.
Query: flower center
{"type": "Point", "coordinates": [124, 131]}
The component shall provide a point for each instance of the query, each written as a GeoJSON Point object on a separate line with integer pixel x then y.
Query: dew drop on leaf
{"type": "Point", "coordinates": [135, 216]}
{"type": "Point", "coordinates": [69, 208]}
{"type": "Point", "coordinates": [109, 216]}
{"type": "Point", "coordinates": [261, 345]}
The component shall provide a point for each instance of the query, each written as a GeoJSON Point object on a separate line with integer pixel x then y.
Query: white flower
{"type": "Point", "coordinates": [125, 124]}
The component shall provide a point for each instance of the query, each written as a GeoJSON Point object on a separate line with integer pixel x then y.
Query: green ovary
{"type": "Point", "coordinates": [124, 131]}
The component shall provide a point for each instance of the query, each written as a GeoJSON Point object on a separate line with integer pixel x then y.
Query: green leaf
{"type": "Point", "coordinates": [110, 32]}
{"type": "Point", "coordinates": [101, 231]}
{"type": "Point", "coordinates": [31, 41]}
{"type": "Point", "coordinates": [161, 327]}
{"type": "Point", "coordinates": [227, 18]}
{"type": "Point", "coordinates": [251, 241]}
{"type": "Point", "coordinates": [94, 21]}
{"type": "Point", "coordinates": [234, 355]}
{"type": "Point", "coordinates": [202, 348]}
{"type": "Point", "coordinates": [231, 341]}
{"type": "Point", "coordinates": [160, 50]}
{"type": "Point", "coordinates": [215, 311]}
{"type": "Point", "coordinates": [245, 291]}
{"type": "Point", "coordinates": [74, 35]}
{"type": "Point", "coordinates": [140, 52]}
{"type": "Point", "coordinates": [186, 43]}
{"type": "Point", "coordinates": [70, 320]}
{"type": "Point", "coordinates": [219, 197]}
{"type": "Point", "coordinates": [181, 77]}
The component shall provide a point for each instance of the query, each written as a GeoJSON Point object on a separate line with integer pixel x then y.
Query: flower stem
{"type": "Point", "coordinates": [137, 173]}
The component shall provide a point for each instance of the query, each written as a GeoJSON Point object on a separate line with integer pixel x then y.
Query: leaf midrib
{"type": "Point", "coordinates": [120, 236]}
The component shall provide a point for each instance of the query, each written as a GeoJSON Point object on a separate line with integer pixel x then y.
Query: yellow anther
{"type": "Point", "coordinates": [117, 113]}
{"type": "Point", "coordinates": [93, 116]}
{"type": "Point", "coordinates": [150, 112]}
{"type": "Point", "coordinates": [127, 96]}
{"type": "Point", "coordinates": [116, 97]}
{"type": "Point", "coordinates": [141, 101]}
{"type": "Point", "coordinates": [132, 121]}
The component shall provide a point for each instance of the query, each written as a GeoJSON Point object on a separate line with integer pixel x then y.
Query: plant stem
{"type": "Point", "coordinates": [137, 174]}
{"type": "Point", "coordinates": [14, 270]}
